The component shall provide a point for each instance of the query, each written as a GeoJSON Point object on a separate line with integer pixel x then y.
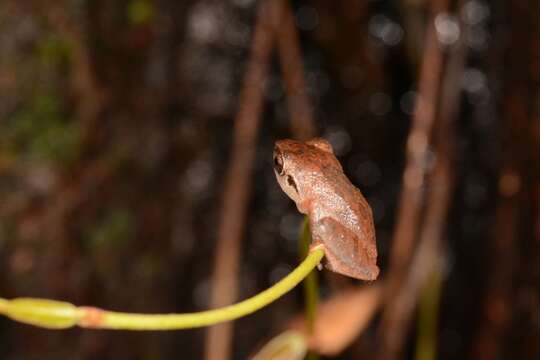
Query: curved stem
{"type": "Point", "coordinates": [311, 286]}
{"type": "Point", "coordinates": [53, 314]}
{"type": "Point", "coordinates": [311, 283]}
{"type": "Point", "coordinates": [3, 304]}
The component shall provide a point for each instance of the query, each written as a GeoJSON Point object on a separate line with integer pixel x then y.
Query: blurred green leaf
{"type": "Point", "coordinates": [53, 50]}
{"type": "Point", "coordinates": [140, 12]}
{"type": "Point", "coordinates": [114, 229]}
{"type": "Point", "coordinates": [289, 345]}
{"type": "Point", "coordinates": [39, 130]}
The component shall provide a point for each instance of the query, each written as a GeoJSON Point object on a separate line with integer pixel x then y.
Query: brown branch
{"type": "Point", "coordinates": [440, 186]}
{"type": "Point", "coordinates": [91, 96]}
{"type": "Point", "coordinates": [303, 126]}
{"type": "Point", "coordinates": [404, 281]}
{"type": "Point", "coordinates": [237, 185]}
{"type": "Point", "coordinates": [414, 172]}
{"type": "Point", "coordinates": [417, 152]}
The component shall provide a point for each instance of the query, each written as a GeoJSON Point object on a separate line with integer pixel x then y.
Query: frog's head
{"type": "Point", "coordinates": [296, 162]}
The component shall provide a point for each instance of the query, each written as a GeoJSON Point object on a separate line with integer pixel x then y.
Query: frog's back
{"type": "Point", "coordinates": [344, 223]}
{"type": "Point", "coordinates": [340, 199]}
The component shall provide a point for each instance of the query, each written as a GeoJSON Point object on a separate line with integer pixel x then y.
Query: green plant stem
{"type": "Point", "coordinates": [428, 313]}
{"type": "Point", "coordinates": [3, 304]}
{"type": "Point", "coordinates": [311, 283]}
{"type": "Point", "coordinates": [311, 286]}
{"type": "Point", "coordinates": [52, 314]}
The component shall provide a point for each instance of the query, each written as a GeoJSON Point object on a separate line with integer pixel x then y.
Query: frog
{"type": "Point", "coordinates": [340, 218]}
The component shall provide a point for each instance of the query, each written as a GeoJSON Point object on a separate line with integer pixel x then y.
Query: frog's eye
{"type": "Point", "coordinates": [292, 183]}
{"type": "Point", "coordinates": [278, 162]}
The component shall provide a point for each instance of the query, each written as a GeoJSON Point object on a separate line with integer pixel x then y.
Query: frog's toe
{"type": "Point", "coordinates": [316, 245]}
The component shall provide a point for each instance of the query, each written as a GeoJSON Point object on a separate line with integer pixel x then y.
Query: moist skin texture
{"type": "Point", "coordinates": [340, 218]}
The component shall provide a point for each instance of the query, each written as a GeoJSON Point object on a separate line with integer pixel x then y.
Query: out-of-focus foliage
{"type": "Point", "coordinates": [115, 135]}
{"type": "Point", "coordinates": [40, 133]}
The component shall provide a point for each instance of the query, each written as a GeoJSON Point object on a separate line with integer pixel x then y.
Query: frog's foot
{"type": "Point", "coordinates": [317, 244]}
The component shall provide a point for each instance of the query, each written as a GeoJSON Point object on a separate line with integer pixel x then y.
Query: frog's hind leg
{"type": "Point", "coordinates": [344, 252]}
{"type": "Point", "coordinates": [360, 272]}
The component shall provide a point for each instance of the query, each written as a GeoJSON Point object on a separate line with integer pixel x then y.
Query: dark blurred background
{"type": "Point", "coordinates": [122, 139]}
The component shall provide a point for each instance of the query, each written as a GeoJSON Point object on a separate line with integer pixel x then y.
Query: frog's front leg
{"type": "Point", "coordinates": [344, 251]}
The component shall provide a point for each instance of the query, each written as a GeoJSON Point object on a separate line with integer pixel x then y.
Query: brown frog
{"type": "Point", "coordinates": [340, 218]}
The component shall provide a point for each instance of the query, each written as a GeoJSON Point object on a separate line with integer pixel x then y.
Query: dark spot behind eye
{"type": "Point", "coordinates": [292, 183]}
